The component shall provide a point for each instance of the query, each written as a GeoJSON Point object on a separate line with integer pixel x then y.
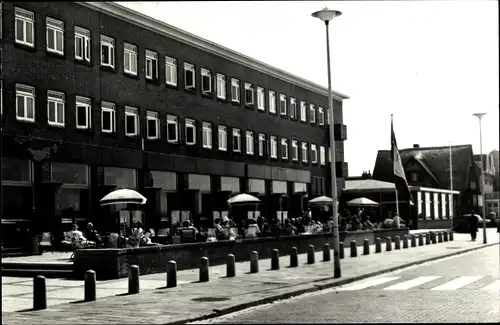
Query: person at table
{"type": "Point", "coordinates": [226, 222]}
{"type": "Point", "coordinates": [77, 238]}
{"type": "Point", "coordinates": [137, 233]}
{"type": "Point", "coordinates": [92, 235]}
{"type": "Point", "coordinates": [289, 229]}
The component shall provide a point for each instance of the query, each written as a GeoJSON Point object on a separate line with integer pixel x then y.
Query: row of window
{"type": "Point", "coordinates": [25, 111]}
{"type": "Point", "coordinates": [254, 96]}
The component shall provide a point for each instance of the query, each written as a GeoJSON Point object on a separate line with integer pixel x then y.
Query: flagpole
{"type": "Point", "coordinates": [451, 188]}
{"type": "Point", "coordinates": [395, 191]}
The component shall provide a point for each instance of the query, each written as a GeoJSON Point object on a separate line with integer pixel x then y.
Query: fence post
{"type": "Point", "coordinates": [405, 241]}
{"type": "Point", "coordinates": [427, 238]}
{"type": "Point", "coordinates": [133, 279]}
{"type": "Point", "coordinates": [388, 244]}
{"type": "Point", "coordinates": [397, 242]}
{"type": "Point", "coordinates": [39, 293]}
{"type": "Point", "coordinates": [413, 240]}
{"type": "Point", "coordinates": [445, 236]}
{"type": "Point", "coordinates": [204, 269]}
{"type": "Point", "coordinates": [433, 237]}
{"type": "Point", "coordinates": [354, 248]}
{"type": "Point", "coordinates": [294, 257]}
{"type": "Point", "coordinates": [378, 245]}
{"type": "Point", "coordinates": [231, 266]}
{"type": "Point", "coordinates": [90, 286]}
{"type": "Point", "coordinates": [275, 259]}
{"type": "Point", "coordinates": [451, 235]}
{"type": "Point", "coordinates": [440, 237]}
{"type": "Point", "coordinates": [254, 262]}
{"type": "Point", "coordinates": [326, 252]}
{"type": "Point", "coordinates": [341, 250]}
{"type": "Point", "coordinates": [310, 255]}
{"type": "Point", "coordinates": [171, 274]}
{"type": "Point", "coordinates": [420, 240]}
{"type": "Point", "coordinates": [366, 247]}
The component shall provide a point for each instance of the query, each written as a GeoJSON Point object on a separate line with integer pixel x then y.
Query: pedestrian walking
{"type": "Point", "coordinates": [473, 225]}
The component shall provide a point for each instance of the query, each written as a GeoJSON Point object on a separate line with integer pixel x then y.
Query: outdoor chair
{"type": "Point", "coordinates": [188, 235]}
{"type": "Point", "coordinates": [46, 241]}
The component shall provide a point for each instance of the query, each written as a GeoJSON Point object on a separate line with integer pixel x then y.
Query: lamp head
{"type": "Point", "coordinates": [326, 14]}
{"type": "Point", "coordinates": [479, 115]}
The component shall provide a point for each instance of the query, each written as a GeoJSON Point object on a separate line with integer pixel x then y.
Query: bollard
{"type": "Point", "coordinates": [433, 237]}
{"type": "Point", "coordinates": [275, 259]}
{"type": "Point", "coordinates": [294, 257]}
{"type": "Point", "coordinates": [388, 244]}
{"type": "Point", "coordinates": [451, 235]}
{"type": "Point", "coordinates": [231, 266]}
{"type": "Point", "coordinates": [326, 252]}
{"type": "Point", "coordinates": [440, 237]}
{"type": "Point", "coordinates": [420, 240]}
{"type": "Point", "coordinates": [133, 279]}
{"type": "Point", "coordinates": [254, 262]}
{"type": "Point", "coordinates": [204, 270]}
{"type": "Point", "coordinates": [310, 255]}
{"type": "Point", "coordinates": [366, 247]}
{"type": "Point", "coordinates": [445, 236]}
{"type": "Point", "coordinates": [341, 250]}
{"type": "Point", "coordinates": [39, 293]}
{"type": "Point", "coordinates": [427, 239]}
{"type": "Point", "coordinates": [405, 241]}
{"type": "Point", "coordinates": [171, 274]}
{"type": "Point", "coordinates": [90, 286]}
{"type": "Point", "coordinates": [413, 240]}
{"type": "Point", "coordinates": [397, 242]}
{"type": "Point", "coordinates": [354, 249]}
{"type": "Point", "coordinates": [378, 245]}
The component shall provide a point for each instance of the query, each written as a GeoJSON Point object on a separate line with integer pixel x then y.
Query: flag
{"type": "Point", "coordinates": [399, 173]}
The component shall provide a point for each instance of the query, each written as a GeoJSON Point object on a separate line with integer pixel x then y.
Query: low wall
{"type": "Point", "coordinates": [434, 224]}
{"type": "Point", "coordinates": [114, 263]}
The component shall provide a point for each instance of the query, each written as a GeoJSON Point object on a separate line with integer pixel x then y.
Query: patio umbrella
{"type": "Point", "coordinates": [243, 199]}
{"type": "Point", "coordinates": [123, 196]}
{"type": "Point", "coordinates": [363, 202]}
{"type": "Point", "coordinates": [321, 200]}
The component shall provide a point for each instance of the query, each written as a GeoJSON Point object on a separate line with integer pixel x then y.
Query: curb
{"type": "Point", "coordinates": [319, 287]}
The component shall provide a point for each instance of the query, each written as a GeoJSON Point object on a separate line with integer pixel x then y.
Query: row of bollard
{"type": "Point", "coordinates": [40, 288]}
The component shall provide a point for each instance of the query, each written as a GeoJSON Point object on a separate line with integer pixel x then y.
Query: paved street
{"type": "Point", "coordinates": [191, 299]}
{"type": "Point", "coordinates": [465, 288]}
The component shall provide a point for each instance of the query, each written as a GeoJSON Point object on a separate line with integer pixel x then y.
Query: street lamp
{"type": "Point", "coordinates": [326, 15]}
{"type": "Point", "coordinates": [483, 200]}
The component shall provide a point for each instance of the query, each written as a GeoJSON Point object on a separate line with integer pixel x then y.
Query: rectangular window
{"type": "Point", "coordinates": [25, 103]}
{"type": "Point", "coordinates": [304, 152]}
{"type": "Point", "coordinates": [262, 144]}
{"type": "Point", "coordinates": [190, 129]}
{"type": "Point", "coordinates": [222, 138]}
{"type": "Point", "coordinates": [321, 116]}
{"type": "Point", "coordinates": [130, 59]}
{"type": "Point", "coordinates": [236, 140]}
{"type": "Point", "coordinates": [235, 90]}
{"type": "Point", "coordinates": [282, 104]}
{"type": "Point", "coordinates": [221, 86]}
{"type": "Point", "coordinates": [427, 199]}
{"type": "Point", "coordinates": [151, 65]}
{"type": "Point", "coordinates": [189, 76]}
{"type": "Point", "coordinates": [171, 71]}
{"type": "Point", "coordinates": [82, 44]}
{"type": "Point", "coordinates": [260, 99]}
{"type": "Point", "coordinates": [207, 135]}
{"type": "Point", "coordinates": [303, 111]}
{"type": "Point", "coordinates": [172, 129]}
{"type": "Point", "coordinates": [55, 108]}
{"type": "Point", "coordinates": [443, 205]}
{"type": "Point", "coordinates": [293, 108]}
{"type": "Point", "coordinates": [274, 147]}
{"type": "Point", "coordinates": [314, 154]}
{"type": "Point", "coordinates": [108, 117]}
{"type": "Point", "coordinates": [322, 155]}
{"type": "Point", "coordinates": [272, 102]}
{"type": "Point", "coordinates": [284, 149]}
{"type": "Point", "coordinates": [107, 51]}
{"type": "Point", "coordinates": [295, 150]}
{"type": "Point", "coordinates": [153, 125]}
{"type": "Point", "coordinates": [248, 94]}
{"type": "Point", "coordinates": [55, 35]}
{"type": "Point", "coordinates": [131, 121]}
{"type": "Point", "coordinates": [206, 81]}
{"type": "Point", "coordinates": [312, 113]}
{"type": "Point", "coordinates": [83, 113]}
{"type": "Point", "coordinates": [249, 142]}
{"type": "Point", "coordinates": [25, 31]}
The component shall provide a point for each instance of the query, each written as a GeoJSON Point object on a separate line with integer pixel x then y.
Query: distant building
{"type": "Point", "coordinates": [493, 196]}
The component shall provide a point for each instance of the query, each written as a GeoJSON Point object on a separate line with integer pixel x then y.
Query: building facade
{"type": "Point", "coordinates": [97, 97]}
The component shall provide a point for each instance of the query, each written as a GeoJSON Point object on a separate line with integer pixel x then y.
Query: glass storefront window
{"type": "Point", "coordinates": [16, 170]}
{"type": "Point", "coordinates": [120, 177]}
{"type": "Point", "coordinates": [17, 202]}
{"type": "Point", "coordinates": [66, 173]}
{"type": "Point", "coordinates": [164, 180]}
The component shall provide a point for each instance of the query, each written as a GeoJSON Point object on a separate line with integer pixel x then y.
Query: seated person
{"type": "Point", "coordinates": [219, 232]}
{"type": "Point", "coordinates": [92, 235]}
{"type": "Point", "coordinates": [77, 238]}
{"type": "Point", "coordinates": [289, 229]}
{"type": "Point", "coordinates": [253, 231]}
{"type": "Point", "coordinates": [226, 222]}
{"type": "Point", "coordinates": [135, 238]}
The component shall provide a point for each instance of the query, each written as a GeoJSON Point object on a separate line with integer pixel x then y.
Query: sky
{"type": "Point", "coordinates": [431, 64]}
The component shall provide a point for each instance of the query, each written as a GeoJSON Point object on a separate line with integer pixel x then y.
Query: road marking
{"type": "Point", "coordinates": [369, 283]}
{"type": "Point", "coordinates": [412, 283]}
{"type": "Point", "coordinates": [492, 287]}
{"type": "Point", "coordinates": [457, 283]}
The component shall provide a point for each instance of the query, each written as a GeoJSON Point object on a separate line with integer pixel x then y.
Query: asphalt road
{"type": "Point", "coordinates": [464, 288]}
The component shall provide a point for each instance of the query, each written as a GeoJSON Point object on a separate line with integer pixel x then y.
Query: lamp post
{"type": "Point", "coordinates": [483, 200]}
{"type": "Point", "coordinates": [326, 15]}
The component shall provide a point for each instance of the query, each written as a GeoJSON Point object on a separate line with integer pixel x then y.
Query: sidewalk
{"type": "Point", "coordinates": [192, 300]}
